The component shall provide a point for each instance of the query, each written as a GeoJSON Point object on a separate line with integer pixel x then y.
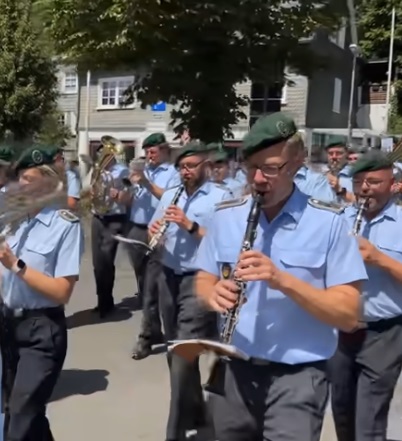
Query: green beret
{"type": "Point", "coordinates": [34, 157]}
{"type": "Point", "coordinates": [53, 150]}
{"type": "Point", "coordinates": [191, 149]}
{"type": "Point", "coordinates": [220, 157]}
{"type": "Point", "coordinates": [154, 140]}
{"type": "Point", "coordinates": [6, 155]}
{"type": "Point", "coordinates": [336, 141]}
{"type": "Point", "coordinates": [268, 131]}
{"type": "Point", "coordinates": [372, 161]}
{"type": "Point", "coordinates": [215, 146]}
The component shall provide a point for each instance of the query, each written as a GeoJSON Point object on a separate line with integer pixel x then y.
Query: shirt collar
{"type": "Point", "coordinates": [302, 172]}
{"type": "Point", "coordinates": [390, 211]}
{"type": "Point", "coordinates": [46, 215]}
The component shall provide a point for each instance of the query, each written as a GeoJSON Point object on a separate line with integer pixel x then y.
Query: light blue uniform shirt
{"type": "Point", "coordinates": [117, 172]}
{"type": "Point", "coordinates": [382, 294]}
{"type": "Point", "coordinates": [73, 184]}
{"type": "Point", "coordinates": [180, 247]}
{"type": "Point", "coordinates": [49, 244]}
{"type": "Point", "coordinates": [310, 243]}
{"type": "Point", "coordinates": [144, 205]}
{"type": "Point", "coordinates": [241, 176]}
{"type": "Point", "coordinates": [314, 184]}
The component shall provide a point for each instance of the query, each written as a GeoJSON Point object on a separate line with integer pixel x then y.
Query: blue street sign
{"type": "Point", "coordinates": [159, 107]}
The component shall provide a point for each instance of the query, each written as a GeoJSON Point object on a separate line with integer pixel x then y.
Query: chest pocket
{"type": "Point", "coordinates": [227, 258]}
{"type": "Point", "coordinates": [393, 250]}
{"type": "Point", "coordinates": [306, 265]}
{"type": "Point", "coordinates": [40, 256]}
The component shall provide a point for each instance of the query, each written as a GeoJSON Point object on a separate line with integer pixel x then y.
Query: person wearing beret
{"type": "Point", "coordinates": [365, 369]}
{"type": "Point", "coordinates": [303, 279]}
{"type": "Point", "coordinates": [6, 159]}
{"type": "Point", "coordinates": [221, 174]}
{"type": "Point", "coordinates": [158, 175]}
{"type": "Point", "coordinates": [353, 155]}
{"type": "Point", "coordinates": [73, 181]}
{"type": "Point", "coordinates": [182, 315]}
{"type": "Point", "coordinates": [338, 170]}
{"type": "Point", "coordinates": [40, 264]}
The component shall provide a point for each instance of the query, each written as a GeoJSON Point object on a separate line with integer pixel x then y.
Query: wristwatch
{"type": "Point", "coordinates": [194, 228]}
{"type": "Point", "coordinates": [18, 266]}
{"type": "Point", "coordinates": [341, 192]}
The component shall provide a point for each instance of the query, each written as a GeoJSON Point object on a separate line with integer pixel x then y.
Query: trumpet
{"type": "Point", "coordinates": [156, 238]}
{"type": "Point", "coordinates": [232, 317]}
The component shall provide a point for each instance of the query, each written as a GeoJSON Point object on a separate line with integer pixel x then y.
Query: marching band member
{"type": "Point", "coordinates": [103, 229]}
{"type": "Point", "coordinates": [303, 278]}
{"type": "Point", "coordinates": [353, 156]}
{"type": "Point", "coordinates": [158, 175]}
{"type": "Point", "coordinates": [308, 181]}
{"type": "Point", "coordinates": [221, 174]}
{"type": "Point", "coordinates": [338, 169]}
{"type": "Point", "coordinates": [368, 362]}
{"type": "Point", "coordinates": [40, 266]}
{"type": "Point", "coordinates": [73, 181]}
{"type": "Point", "coordinates": [183, 317]}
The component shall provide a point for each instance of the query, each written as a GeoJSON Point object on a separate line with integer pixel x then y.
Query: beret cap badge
{"type": "Point", "coordinates": [283, 129]}
{"type": "Point", "coordinates": [37, 157]}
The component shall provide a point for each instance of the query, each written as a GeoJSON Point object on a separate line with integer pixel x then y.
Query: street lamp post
{"type": "Point", "coordinates": [390, 64]}
{"type": "Point", "coordinates": [355, 52]}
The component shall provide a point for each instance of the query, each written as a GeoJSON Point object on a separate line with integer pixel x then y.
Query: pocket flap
{"type": "Point", "coordinates": [303, 259]}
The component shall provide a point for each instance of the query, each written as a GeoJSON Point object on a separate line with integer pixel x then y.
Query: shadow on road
{"type": "Point", "coordinates": [123, 311]}
{"type": "Point", "coordinates": [80, 382]}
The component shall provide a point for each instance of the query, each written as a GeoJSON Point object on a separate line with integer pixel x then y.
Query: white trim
{"type": "Point", "coordinates": [337, 97]}
{"type": "Point", "coordinates": [64, 76]}
{"type": "Point", "coordinates": [284, 98]}
{"type": "Point", "coordinates": [117, 106]}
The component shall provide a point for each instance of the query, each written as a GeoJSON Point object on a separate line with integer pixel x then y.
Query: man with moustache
{"type": "Point", "coordinates": [365, 369]}
{"type": "Point", "coordinates": [183, 316]}
{"type": "Point", "coordinates": [157, 176]}
{"type": "Point", "coordinates": [303, 279]}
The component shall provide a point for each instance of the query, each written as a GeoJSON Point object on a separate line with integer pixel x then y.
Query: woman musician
{"type": "Point", "coordinates": [40, 267]}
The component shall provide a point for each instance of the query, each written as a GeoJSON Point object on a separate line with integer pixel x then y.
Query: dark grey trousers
{"type": "Point", "coordinates": [363, 373]}
{"type": "Point", "coordinates": [275, 402]}
{"type": "Point", "coordinates": [184, 318]}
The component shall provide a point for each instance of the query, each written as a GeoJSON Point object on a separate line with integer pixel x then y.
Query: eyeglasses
{"type": "Point", "coordinates": [368, 182]}
{"type": "Point", "coordinates": [190, 166]}
{"type": "Point", "coordinates": [268, 171]}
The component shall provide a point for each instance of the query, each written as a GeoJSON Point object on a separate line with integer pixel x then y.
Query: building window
{"type": "Point", "coordinates": [336, 106]}
{"type": "Point", "coordinates": [111, 92]}
{"type": "Point", "coordinates": [68, 119]}
{"type": "Point", "coordinates": [70, 82]}
{"type": "Point", "coordinates": [266, 99]}
{"type": "Point", "coordinates": [62, 119]}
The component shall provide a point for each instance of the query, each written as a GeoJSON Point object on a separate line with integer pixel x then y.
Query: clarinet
{"type": "Point", "coordinates": [232, 316]}
{"type": "Point", "coordinates": [362, 205]}
{"type": "Point", "coordinates": [156, 238]}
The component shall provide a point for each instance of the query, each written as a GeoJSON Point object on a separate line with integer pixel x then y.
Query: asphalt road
{"type": "Point", "coordinates": [103, 394]}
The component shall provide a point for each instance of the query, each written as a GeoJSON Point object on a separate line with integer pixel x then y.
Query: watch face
{"type": "Point", "coordinates": [20, 264]}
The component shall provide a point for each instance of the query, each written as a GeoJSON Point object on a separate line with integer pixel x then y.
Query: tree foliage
{"type": "Point", "coordinates": [375, 34]}
{"type": "Point", "coordinates": [191, 53]}
{"type": "Point", "coordinates": [53, 131]}
{"type": "Point", "coordinates": [27, 77]}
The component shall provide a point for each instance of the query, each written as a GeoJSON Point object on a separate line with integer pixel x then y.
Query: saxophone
{"type": "Point", "coordinates": [156, 238]}
{"type": "Point", "coordinates": [232, 316]}
{"type": "Point", "coordinates": [361, 208]}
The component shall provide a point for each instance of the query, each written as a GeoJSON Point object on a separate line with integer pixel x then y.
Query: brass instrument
{"type": "Point", "coordinates": [156, 238]}
{"type": "Point", "coordinates": [335, 166]}
{"type": "Point", "coordinates": [137, 165]}
{"type": "Point", "coordinates": [232, 317]}
{"type": "Point", "coordinates": [99, 181]}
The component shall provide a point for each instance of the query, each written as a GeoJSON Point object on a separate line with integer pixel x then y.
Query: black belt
{"type": "Point", "coordinates": [22, 314]}
{"type": "Point", "coordinates": [140, 226]}
{"type": "Point", "coordinates": [110, 217]}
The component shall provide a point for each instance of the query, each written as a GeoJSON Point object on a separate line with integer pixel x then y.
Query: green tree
{"type": "Point", "coordinates": [191, 53]}
{"type": "Point", "coordinates": [27, 75]}
{"type": "Point", "coordinates": [375, 34]}
{"type": "Point", "coordinates": [53, 131]}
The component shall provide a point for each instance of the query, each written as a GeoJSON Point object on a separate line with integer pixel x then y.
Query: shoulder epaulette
{"type": "Point", "coordinates": [68, 216]}
{"type": "Point", "coordinates": [329, 206]}
{"type": "Point", "coordinates": [222, 186]}
{"type": "Point", "coordinates": [231, 203]}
